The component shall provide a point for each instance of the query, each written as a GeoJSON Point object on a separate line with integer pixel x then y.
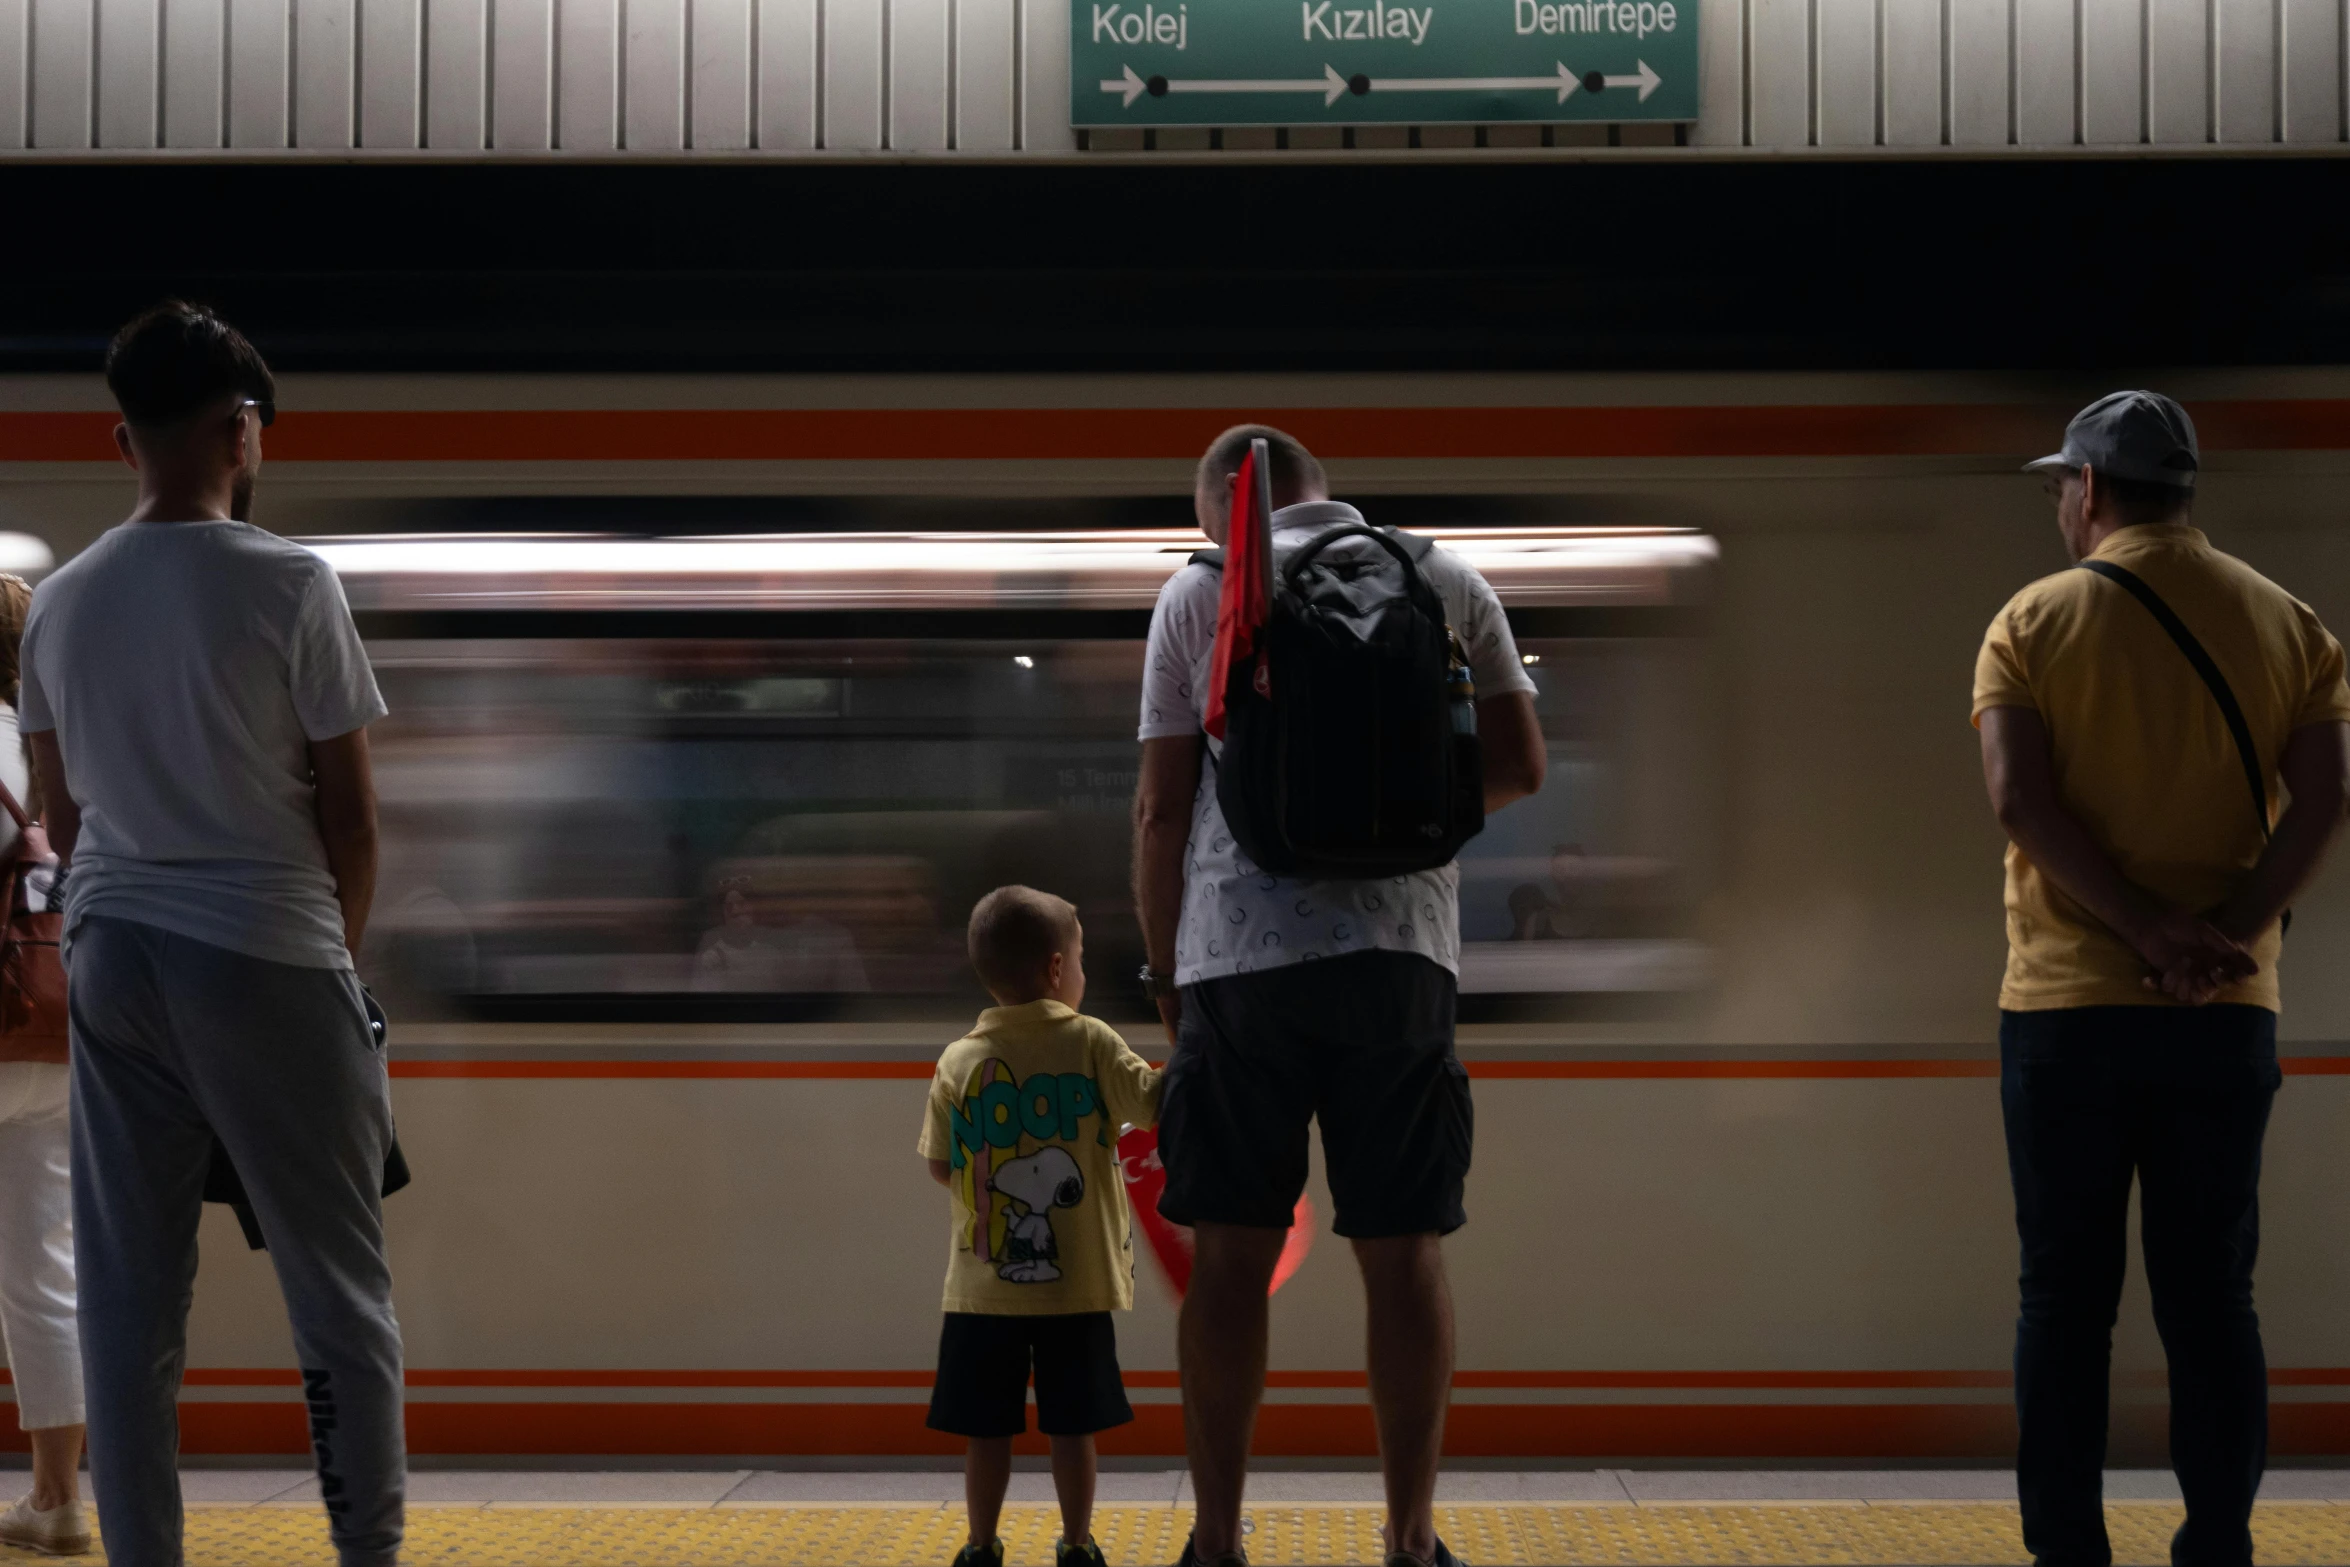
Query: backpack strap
{"type": "Point", "coordinates": [1413, 544]}
{"type": "Point", "coordinates": [2254, 776]}
{"type": "Point", "coordinates": [1405, 549]}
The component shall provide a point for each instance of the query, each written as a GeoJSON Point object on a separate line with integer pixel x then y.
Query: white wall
{"type": "Point", "coordinates": [991, 76]}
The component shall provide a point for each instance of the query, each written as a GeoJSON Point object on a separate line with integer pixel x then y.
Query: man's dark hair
{"type": "Point", "coordinates": [2146, 500]}
{"type": "Point", "coordinates": [179, 359]}
{"type": "Point", "coordinates": [1014, 933]}
{"type": "Point", "coordinates": [1294, 469]}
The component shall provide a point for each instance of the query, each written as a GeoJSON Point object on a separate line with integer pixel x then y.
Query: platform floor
{"type": "Point", "coordinates": [1630, 1518]}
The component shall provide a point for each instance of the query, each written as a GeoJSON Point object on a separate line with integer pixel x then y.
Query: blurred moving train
{"type": "Point", "coordinates": [764, 779]}
{"type": "Point", "coordinates": [684, 812]}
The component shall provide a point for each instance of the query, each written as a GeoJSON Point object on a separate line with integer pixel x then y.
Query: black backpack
{"type": "Point", "coordinates": [1350, 750]}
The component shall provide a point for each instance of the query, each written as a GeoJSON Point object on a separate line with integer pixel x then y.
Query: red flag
{"type": "Point", "coordinates": [1170, 1243]}
{"type": "Point", "coordinates": [1248, 574]}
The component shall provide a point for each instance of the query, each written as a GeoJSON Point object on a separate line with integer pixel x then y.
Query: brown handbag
{"type": "Point", "coordinates": [32, 975]}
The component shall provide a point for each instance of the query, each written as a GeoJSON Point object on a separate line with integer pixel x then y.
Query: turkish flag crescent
{"type": "Point", "coordinates": [1171, 1243]}
{"type": "Point", "coordinates": [1248, 580]}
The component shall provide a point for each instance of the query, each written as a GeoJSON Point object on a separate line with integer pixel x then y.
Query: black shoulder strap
{"type": "Point", "coordinates": [1413, 545]}
{"type": "Point", "coordinates": [2254, 774]}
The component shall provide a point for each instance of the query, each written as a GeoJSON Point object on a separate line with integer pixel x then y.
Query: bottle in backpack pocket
{"type": "Point", "coordinates": [1460, 688]}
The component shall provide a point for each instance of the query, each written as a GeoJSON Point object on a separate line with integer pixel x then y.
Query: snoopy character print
{"type": "Point", "coordinates": [1011, 1195]}
{"type": "Point", "coordinates": [1026, 1113]}
{"type": "Point", "coordinates": [1033, 1187]}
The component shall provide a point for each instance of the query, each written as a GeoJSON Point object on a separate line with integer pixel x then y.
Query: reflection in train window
{"type": "Point", "coordinates": [1592, 888]}
{"type": "Point", "coordinates": [789, 829]}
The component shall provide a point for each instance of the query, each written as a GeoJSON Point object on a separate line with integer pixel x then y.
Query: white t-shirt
{"type": "Point", "coordinates": [1235, 917]}
{"type": "Point", "coordinates": [186, 667]}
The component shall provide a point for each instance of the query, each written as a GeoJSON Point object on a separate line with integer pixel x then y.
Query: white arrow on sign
{"type": "Point", "coordinates": [1333, 86]}
{"type": "Point", "coordinates": [1565, 81]}
{"type": "Point", "coordinates": [1646, 81]}
{"type": "Point", "coordinates": [1129, 87]}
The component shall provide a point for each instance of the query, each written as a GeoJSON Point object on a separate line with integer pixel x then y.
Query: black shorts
{"type": "Point", "coordinates": [983, 1363]}
{"type": "Point", "coordinates": [1361, 1043]}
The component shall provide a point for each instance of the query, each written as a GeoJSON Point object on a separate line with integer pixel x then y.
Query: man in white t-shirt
{"type": "Point", "coordinates": [1293, 1001]}
{"type": "Point", "coordinates": [197, 701]}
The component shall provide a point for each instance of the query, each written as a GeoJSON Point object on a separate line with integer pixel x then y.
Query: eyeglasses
{"type": "Point", "coordinates": [265, 408]}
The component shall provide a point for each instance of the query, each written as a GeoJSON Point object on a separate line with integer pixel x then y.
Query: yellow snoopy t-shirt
{"type": "Point", "coordinates": [1026, 1108]}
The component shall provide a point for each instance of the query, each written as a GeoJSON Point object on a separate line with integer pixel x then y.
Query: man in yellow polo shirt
{"type": "Point", "coordinates": [2143, 717]}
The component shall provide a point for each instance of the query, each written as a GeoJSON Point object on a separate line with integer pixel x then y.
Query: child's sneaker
{"type": "Point", "coordinates": [1087, 1555]}
{"type": "Point", "coordinates": [989, 1555]}
{"type": "Point", "coordinates": [61, 1531]}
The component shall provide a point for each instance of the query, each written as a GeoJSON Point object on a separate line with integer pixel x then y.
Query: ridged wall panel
{"type": "Point", "coordinates": [990, 77]}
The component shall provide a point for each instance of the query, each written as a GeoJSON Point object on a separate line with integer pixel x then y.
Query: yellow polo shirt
{"type": "Point", "coordinates": [2142, 756]}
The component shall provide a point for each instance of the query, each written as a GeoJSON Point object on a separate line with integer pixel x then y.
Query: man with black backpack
{"type": "Point", "coordinates": [1328, 711]}
{"type": "Point", "coordinates": [2138, 714]}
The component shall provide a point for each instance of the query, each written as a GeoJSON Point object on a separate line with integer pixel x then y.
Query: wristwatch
{"type": "Point", "coordinates": [1158, 985]}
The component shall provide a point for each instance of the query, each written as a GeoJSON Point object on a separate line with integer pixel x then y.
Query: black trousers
{"type": "Point", "coordinates": [2179, 1098]}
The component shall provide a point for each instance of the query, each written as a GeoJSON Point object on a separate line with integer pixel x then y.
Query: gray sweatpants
{"type": "Point", "coordinates": [174, 1040]}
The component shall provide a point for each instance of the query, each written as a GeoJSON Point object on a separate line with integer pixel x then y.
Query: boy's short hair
{"type": "Point", "coordinates": [1014, 933]}
{"type": "Point", "coordinates": [179, 359]}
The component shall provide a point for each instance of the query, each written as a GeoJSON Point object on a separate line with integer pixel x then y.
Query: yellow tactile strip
{"type": "Point", "coordinates": [1785, 1535]}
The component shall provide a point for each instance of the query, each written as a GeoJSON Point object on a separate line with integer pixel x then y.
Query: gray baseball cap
{"type": "Point", "coordinates": [2130, 435]}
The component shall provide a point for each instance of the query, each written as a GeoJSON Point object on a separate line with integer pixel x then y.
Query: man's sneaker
{"type": "Point", "coordinates": [989, 1555]}
{"type": "Point", "coordinates": [1443, 1557]}
{"type": "Point", "coordinates": [1192, 1558]}
{"type": "Point", "coordinates": [61, 1531]}
{"type": "Point", "coordinates": [1087, 1555]}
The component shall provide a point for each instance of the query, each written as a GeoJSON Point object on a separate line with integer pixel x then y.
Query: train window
{"type": "Point", "coordinates": [774, 830]}
{"type": "Point", "coordinates": [733, 829]}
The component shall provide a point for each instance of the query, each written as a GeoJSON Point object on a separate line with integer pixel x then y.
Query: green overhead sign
{"type": "Point", "coordinates": [1351, 62]}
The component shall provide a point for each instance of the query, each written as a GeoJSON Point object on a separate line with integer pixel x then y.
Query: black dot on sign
{"type": "Point", "coordinates": [1157, 86]}
{"type": "Point", "coordinates": [1359, 85]}
{"type": "Point", "coordinates": [1593, 81]}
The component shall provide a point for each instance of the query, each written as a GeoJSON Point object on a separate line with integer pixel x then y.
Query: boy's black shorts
{"type": "Point", "coordinates": [983, 1365]}
{"type": "Point", "coordinates": [1361, 1044]}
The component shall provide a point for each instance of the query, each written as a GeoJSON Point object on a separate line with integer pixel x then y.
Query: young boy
{"type": "Point", "coordinates": [1022, 1130]}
